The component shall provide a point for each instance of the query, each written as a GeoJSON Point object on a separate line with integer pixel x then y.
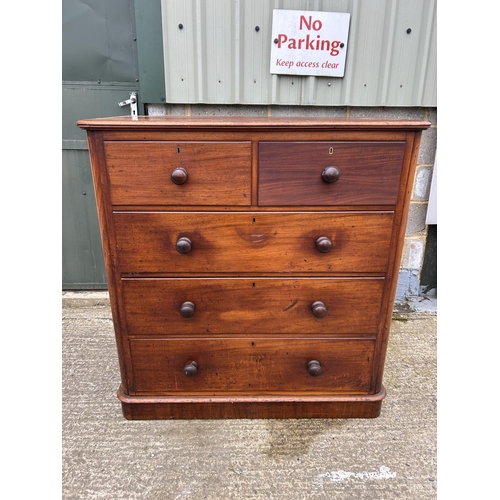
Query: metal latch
{"type": "Point", "coordinates": [133, 104]}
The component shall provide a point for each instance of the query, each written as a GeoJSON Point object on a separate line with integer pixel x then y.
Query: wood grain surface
{"type": "Point", "coordinates": [290, 173]}
{"type": "Point", "coordinates": [252, 262]}
{"type": "Point", "coordinates": [249, 306]}
{"type": "Point", "coordinates": [140, 172]}
{"type": "Point", "coordinates": [251, 366]}
{"type": "Point", "coordinates": [253, 242]}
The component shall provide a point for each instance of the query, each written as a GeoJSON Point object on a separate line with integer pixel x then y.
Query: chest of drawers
{"type": "Point", "coordinates": [252, 262]}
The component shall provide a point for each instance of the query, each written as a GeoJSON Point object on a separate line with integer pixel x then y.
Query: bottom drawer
{"type": "Point", "coordinates": [251, 366]}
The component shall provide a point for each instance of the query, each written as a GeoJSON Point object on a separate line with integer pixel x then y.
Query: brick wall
{"type": "Point", "coordinates": [416, 229]}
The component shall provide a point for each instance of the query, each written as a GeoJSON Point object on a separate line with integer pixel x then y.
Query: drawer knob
{"type": "Point", "coordinates": [179, 176]}
{"type": "Point", "coordinates": [191, 369]}
{"type": "Point", "coordinates": [187, 310]}
{"type": "Point", "coordinates": [314, 368]}
{"type": "Point", "coordinates": [330, 175]}
{"type": "Point", "coordinates": [319, 309]}
{"type": "Point", "coordinates": [183, 245]}
{"type": "Point", "coordinates": [324, 244]}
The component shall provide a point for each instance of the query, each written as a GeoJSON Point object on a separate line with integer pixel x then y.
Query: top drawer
{"type": "Point", "coordinates": [140, 172]}
{"type": "Point", "coordinates": [290, 173]}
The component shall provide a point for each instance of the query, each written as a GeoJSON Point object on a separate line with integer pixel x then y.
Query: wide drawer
{"type": "Point", "coordinates": [140, 173]}
{"type": "Point", "coordinates": [193, 306]}
{"type": "Point", "coordinates": [249, 366]}
{"type": "Point", "coordinates": [252, 242]}
{"type": "Point", "coordinates": [290, 173]}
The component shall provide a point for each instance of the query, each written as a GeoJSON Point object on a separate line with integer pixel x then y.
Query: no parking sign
{"type": "Point", "coordinates": [309, 43]}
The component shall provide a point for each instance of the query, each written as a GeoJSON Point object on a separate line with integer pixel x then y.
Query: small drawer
{"type": "Point", "coordinates": [271, 366]}
{"type": "Point", "coordinates": [195, 306]}
{"type": "Point", "coordinates": [288, 242]}
{"type": "Point", "coordinates": [179, 173]}
{"type": "Point", "coordinates": [329, 173]}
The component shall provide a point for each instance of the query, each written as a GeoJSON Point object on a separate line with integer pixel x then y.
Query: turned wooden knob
{"type": "Point", "coordinates": [179, 176]}
{"type": "Point", "coordinates": [330, 175]}
{"type": "Point", "coordinates": [191, 369]}
{"type": "Point", "coordinates": [319, 309]}
{"type": "Point", "coordinates": [187, 310]}
{"type": "Point", "coordinates": [314, 368]}
{"type": "Point", "coordinates": [183, 245]}
{"type": "Point", "coordinates": [324, 244]}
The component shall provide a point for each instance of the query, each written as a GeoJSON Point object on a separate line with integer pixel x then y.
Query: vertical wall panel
{"type": "Point", "coordinates": [99, 70]}
{"type": "Point", "coordinates": [219, 57]}
{"type": "Point", "coordinates": [150, 58]}
{"type": "Point", "coordinates": [83, 261]}
{"type": "Point", "coordinates": [254, 53]}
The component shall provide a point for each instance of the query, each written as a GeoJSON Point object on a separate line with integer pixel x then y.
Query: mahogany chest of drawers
{"type": "Point", "coordinates": [252, 262]}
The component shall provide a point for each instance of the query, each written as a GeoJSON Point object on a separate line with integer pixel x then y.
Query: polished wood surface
{"type": "Point", "coordinates": [269, 406]}
{"type": "Point", "coordinates": [251, 366]}
{"type": "Point", "coordinates": [252, 242]}
{"type": "Point", "coordinates": [252, 262]}
{"type": "Point", "coordinates": [266, 124]}
{"type": "Point", "coordinates": [329, 173]}
{"type": "Point", "coordinates": [248, 306]}
{"type": "Point", "coordinates": [140, 173]}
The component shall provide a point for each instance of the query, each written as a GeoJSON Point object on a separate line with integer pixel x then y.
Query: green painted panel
{"type": "Point", "coordinates": [148, 23]}
{"type": "Point", "coordinates": [84, 101]}
{"type": "Point", "coordinates": [83, 261]}
{"type": "Point", "coordinates": [98, 41]}
{"type": "Point", "coordinates": [99, 69]}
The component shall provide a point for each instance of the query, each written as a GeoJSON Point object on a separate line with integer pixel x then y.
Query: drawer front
{"type": "Point", "coordinates": [290, 173]}
{"type": "Point", "coordinates": [250, 243]}
{"type": "Point", "coordinates": [250, 366]}
{"type": "Point", "coordinates": [173, 306]}
{"type": "Point", "coordinates": [140, 173]}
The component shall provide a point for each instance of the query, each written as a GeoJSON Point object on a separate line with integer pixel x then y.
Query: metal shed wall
{"type": "Point", "coordinates": [218, 57]}
{"type": "Point", "coordinates": [99, 69]}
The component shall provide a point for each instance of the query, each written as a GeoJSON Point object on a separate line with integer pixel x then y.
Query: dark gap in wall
{"type": "Point", "coordinates": [428, 276]}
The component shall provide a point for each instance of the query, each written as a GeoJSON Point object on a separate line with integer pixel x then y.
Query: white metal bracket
{"type": "Point", "coordinates": [132, 101]}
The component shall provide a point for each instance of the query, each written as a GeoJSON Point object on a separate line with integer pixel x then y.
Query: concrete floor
{"type": "Point", "coordinates": [108, 457]}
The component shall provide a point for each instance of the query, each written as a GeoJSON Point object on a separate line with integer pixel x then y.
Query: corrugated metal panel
{"type": "Point", "coordinates": [218, 57]}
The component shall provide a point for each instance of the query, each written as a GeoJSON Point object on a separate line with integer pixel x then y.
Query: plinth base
{"type": "Point", "coordinates": [220, 407]}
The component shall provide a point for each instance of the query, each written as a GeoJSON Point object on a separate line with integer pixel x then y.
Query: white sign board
{"type": "Point", "coordinates": [309, 43]}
